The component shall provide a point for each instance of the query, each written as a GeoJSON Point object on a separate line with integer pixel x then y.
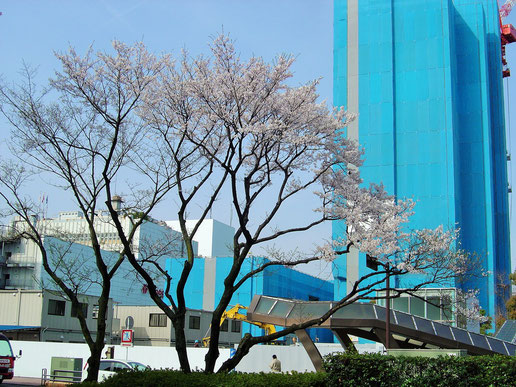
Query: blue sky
{"type": "Point", "coordinates": [31, 30]}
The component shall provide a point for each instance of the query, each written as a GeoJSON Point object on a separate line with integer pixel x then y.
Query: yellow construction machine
{"type": "Point", "coordinates": [233, 313]}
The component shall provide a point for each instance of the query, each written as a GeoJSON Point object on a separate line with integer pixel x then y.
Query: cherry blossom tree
{"type": "Point", "coordinates": [207, 128]}
{"type": "Point", "coordinates": [81, 133]}
{"type": "Point", "coordinates": [238, 127]}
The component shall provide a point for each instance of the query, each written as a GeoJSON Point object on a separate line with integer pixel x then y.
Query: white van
{"type": "Point", "coordinates": [109, 367]}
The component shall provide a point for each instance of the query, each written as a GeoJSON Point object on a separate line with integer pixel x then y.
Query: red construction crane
{"type": "Point", "coordinates": [506, 8]}
{"type": "Point", "coordinates": [507, 33]}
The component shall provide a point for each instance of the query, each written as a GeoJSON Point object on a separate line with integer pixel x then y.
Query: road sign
{"type": "Point", "coordinates": [127, 337]}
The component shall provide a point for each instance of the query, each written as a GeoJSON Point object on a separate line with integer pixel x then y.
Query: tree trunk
{"type": "Point", "coordinates": [94, 362]}
{"type": "Point", "coordinates": [179, 329]}
{"type": "Point", "coordinates": [213, 352]}
{"type": "Point", "coordinates": [179, 321]}
{"type": "Point", "coordinates": [243, 349]}
{"type": "Point", "coordinates": [97, 346]}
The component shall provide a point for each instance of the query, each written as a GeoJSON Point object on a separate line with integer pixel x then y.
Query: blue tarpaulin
{"type": "Point", "coordinates": [16, 327]}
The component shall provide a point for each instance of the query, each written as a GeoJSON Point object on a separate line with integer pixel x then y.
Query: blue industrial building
{"type": "Point", "coordinates": [425, 77]}
{"type": "Point", "coordinates": [206, 284]}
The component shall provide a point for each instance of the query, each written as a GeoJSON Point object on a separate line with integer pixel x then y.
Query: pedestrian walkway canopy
{"type": "Point", "coordinates": [507, 332]}
{"type": "Point", "coordinates": [368, 321]}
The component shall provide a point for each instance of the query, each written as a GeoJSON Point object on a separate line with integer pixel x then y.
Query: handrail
{"type": "Point", "coordinates": [46, 377]}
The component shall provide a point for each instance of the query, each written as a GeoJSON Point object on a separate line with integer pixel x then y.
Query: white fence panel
{"type": "Point", "coordinates": [37, 355]}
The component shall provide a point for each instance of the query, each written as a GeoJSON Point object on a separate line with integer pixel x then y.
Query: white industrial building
{"type": "Point", "coordinates": [26, 287]}
{"type": "Point", "coordinates": [214, 238]}
{"type": "Point", "coordinates": [67, 241]}
{"type": "Point", "coordinates": [153, 328]}
{"type": "Point", "coordinates": [42, 315]}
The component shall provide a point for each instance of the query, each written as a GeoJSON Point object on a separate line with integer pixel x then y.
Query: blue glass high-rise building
{"type": "Point", "coordinates": [425, 77]}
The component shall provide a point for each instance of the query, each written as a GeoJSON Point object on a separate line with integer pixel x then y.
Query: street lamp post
{"type": "Point", "coordinates": [388, 311]}
{"type": "Point", "coordinates": [372, 263]}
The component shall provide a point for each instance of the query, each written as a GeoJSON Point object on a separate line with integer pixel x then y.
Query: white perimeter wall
{"type": "Point", "coordinates": [37, 355]}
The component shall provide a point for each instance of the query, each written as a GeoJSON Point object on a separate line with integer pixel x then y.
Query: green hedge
{"type": "Point", "coordinates": [349, 370]}
{"type": "Point", "coordinates": [236, 379]}
{"type": "Point", "coordinates": [381, 370]}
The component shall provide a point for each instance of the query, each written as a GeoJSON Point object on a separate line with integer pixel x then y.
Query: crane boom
{"type": "Point", "coordinates": [507, 34]}
{"type": "Point", "coordinates": [506, 9]}
{"type": "Point", "coordinates": [233, 313]}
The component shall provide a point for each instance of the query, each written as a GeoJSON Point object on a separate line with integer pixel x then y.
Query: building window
{"type": "Point", "coordinates": [195, 322]}
{"type": "Point", "coordinates": [401, 304]}
{"type": "Point", "coordinates": [56, 307]}
{"type": "Point", "coordinates": [84, 308]}
{"type": "Point", "coordinates": [224, 326]}
{"type": "Point", "coordinates": [417, 306]}
{"type": "Point", "coordinates": [95, 312]}
{"type": "Point", "coordinates": [236, 326]}
{"type": "Point", "coordinates": [430, 304]}
{"type": "Point", "coordinates": [157, 320]}
{"type": "Point", "coordinates": [433, 308]}
{"type": "Point", "coordinates": [447, 311]}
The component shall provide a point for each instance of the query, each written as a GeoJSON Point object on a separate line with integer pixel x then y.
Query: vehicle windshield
{"type": "Point", "coordinates": [137, 366]}
{"type": "Point", "coordinates": [5, 348]}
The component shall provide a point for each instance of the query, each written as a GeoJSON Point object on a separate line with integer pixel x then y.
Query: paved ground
{"type": "Point", "coordinates": [19, 381]}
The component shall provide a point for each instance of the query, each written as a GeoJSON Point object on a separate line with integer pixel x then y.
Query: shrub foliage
{"type": "Point", "coordinates": [381, 370]}
{"type": "Point", "coordinates": [158, 378]}
{"type": "Point", "coordinates": [348, 370]}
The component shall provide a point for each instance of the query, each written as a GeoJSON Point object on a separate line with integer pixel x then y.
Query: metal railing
{"type": "Point", "coordinates": [74, 378]}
